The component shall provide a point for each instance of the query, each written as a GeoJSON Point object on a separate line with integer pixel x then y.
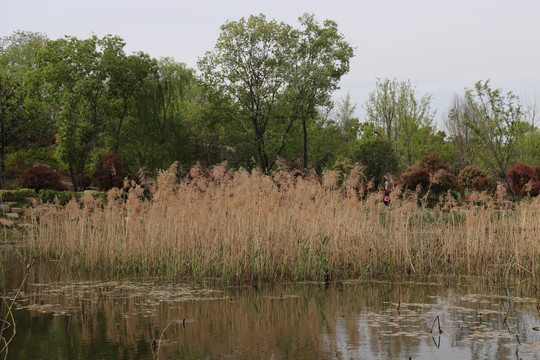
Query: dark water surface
{"type": "Point", "coordinates": [60, 316]}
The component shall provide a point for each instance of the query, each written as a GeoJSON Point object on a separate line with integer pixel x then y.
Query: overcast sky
{"type": "Point", "coordinates": [442, 47]}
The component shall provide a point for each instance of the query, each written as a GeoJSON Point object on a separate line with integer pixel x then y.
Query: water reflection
{"type": "Point", "coordinates": [61, 315]}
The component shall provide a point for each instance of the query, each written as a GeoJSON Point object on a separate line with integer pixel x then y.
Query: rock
{"type": "Point", "coordinates": [6, 222]}
{"type": "Point", "coordinates": [4, 208]}
{"type": "Point", "coordinates": [13, 216]}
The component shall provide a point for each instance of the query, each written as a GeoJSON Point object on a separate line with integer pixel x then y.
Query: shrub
{"type": "Point", "coordinates": [519, 176]}
{"type": "Point", "coordinates": [47, 195]}
{"type": "Point", "coordinates": [474, 178]}
{"type": "Point", "coordinates": [110, 171]}
{"type": "Point", "coordinates": [378, 158]}
{"type": "Point", "coordinates": [17, 195]}
{"type": "Point", "coordinates": [433, 162]}
{"type": "Point", "coordinates": [416, 178]}
{"type": "Point", "coordinates": [537, 169]}
{"type": "Point", "coordinates": [532, 188]}
{"type": "Point", "coordinates": [442, 181]}
{"type": "Point", "coordinates": [483, 183]}
{"type": "Point", "coordinates": [41, 177]}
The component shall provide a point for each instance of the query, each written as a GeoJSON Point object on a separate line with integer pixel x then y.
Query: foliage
{"type": "Point", "coordinates": [110, 171]}
{"type": "Point", "coordinates": [63, 197]}
{"type": "Point", "coordinates": [41, 177]}
{"type": "Point", "coordinates": [18, 195]}
{"type": "Point", "coordinates": [496, 121]}
{"type": "Point", "coordinates": [418, 178]}
{"type": "Point", "coordinates": [519, 176]}
{"type": "Point", "coordinates": [378, 158]}
{"type": "Point", "coordinates": [274, 76]}
{"type": "Point", "coordinates": [442, 181]}
{"type": "Point", "coordinates": [433, 162]}
{"type": "Point", "coordinates": [474, 178]}
{"type": "Point", "coordinates": [13, 124]}
{"type": "Point", "coordinates": [401, 118]}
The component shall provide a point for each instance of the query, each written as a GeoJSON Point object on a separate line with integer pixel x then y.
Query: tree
{"type": "Point", "coordinates": [18, 53]}
{"type": "Point", "coordinates": [275, 76]}
{"type": "Point", "coordinates": [12, 120]}
{"type": "Point", "coordinates": [248, 65]}
{"type": "Point", "coordinates": [497, 123]}
{"type": "Point", "coordinates": [378, 158]}
{"type": "Point", "coordinates": [401, 118]}
{"type": "Point", "coordinates": [157, 132]}
{"type": "Point", "coordinates": [73, 79]}
{"type": "Point", "coordinates": [320, 57]}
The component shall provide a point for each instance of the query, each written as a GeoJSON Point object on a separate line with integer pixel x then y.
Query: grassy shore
{"type": "Point", "coordinates": [243, 227]}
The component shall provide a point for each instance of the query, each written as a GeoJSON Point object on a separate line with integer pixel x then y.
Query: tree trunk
{"type": "Point", "coordinates": [305, 149]}
{"type": "Point", "coordinates": [2, 155]}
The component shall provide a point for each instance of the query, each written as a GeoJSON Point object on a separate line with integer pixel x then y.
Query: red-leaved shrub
{"type": "Point", "coordinates": [433, 162]}
{"type": "Point", "coordinates": [41, 177]}
{"type": "Point", "coordinates": [474, 178]}
{"type": "Point", "coordinates": [110, 171]}
{"type": "Point", "coordinates": [442, 181]}
{"type": "Point", "coordinates": [533, 188]}
{"type": "Point", "coordinates": [416, 178]}
{"type": "Point", "coordinates": [519, 176]}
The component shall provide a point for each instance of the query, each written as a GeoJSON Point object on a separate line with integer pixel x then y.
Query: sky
{"type": "Point", "coordinates": [441, 47]}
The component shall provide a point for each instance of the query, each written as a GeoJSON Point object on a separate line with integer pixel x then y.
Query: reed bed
{"type": "Point", "coordinates": [242, 227]}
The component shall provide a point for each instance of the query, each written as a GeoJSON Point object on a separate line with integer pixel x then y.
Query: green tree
{"type": "Point", "coordinates": [73, 79]}
{"type": "Point", "coordinates": [276, 77]}
{"type": "Point", "coordinates": [496, 120]}
{"type": "Point", "coordinates": [399, 116]}
{"type": "Point", "coordinates": [320, 56]}
{"type": "Point", "coordinates": [248, 65]}
{"type": "Point", "coordinates": [158, 134]}
{"type": "Point", "coordinates": [378, 158]}
{"type": "Point", "coordinates": [13, 123]}
{"type": "Point", "coordinates": [18, 53]}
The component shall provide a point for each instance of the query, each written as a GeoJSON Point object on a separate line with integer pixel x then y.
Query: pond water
{"type": "Point", "coordinates": [60, 315]}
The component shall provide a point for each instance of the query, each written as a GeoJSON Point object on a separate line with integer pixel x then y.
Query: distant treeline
{"type": "Point", "coordinates": [260, 98]}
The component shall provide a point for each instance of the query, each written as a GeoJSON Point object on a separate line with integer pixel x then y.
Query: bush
{"type": "Point", "coordinates": [483, 183]}
{"type": "Point", "coordinates": [64, 197]}
{"type": "Point", "coordinates": [433, 162]}
{"type": "Point", "coordinates": [416, 178]}
{"type": "Point", "coordinates": [17, 195]}
{"type": "Point", "coordinates": [537, 169]}
{"type": "Point", "coordinates": [474, 178]}
{"type": "Point", "coordinates": [519, 176]}
{"type": "Point", "coordinates": [378, 158]}
{"type": "Point", "coordinates": [442, 181]}
{"type": "Point", "coordinates": [533, 188]}
{"type": "Point", "coordinates": [110, 171]}
{"type": "Point", "coordinates": [41, 177]}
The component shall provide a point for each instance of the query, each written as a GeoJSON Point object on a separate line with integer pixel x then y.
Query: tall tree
{"type": "Point", "coordinates": [497, 122]}
{"type": "Point", "coordinates": [276, 76]}
{"type": "Point", "coordinates": [73, 79]}
{"type": "Point", "coordinates": [13, 123]}
{"type": "Point", "coordinates": [403, 119]}
{"type": "Point", "coordinates": [18, 53]}
{"type": "Point", "coordinates": [248, 65]}
{"type": "Point", "coordinates": [320, 56]}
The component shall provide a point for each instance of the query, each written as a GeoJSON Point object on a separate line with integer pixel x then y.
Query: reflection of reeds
{"type": "Point", "coordinates": [241, 226]}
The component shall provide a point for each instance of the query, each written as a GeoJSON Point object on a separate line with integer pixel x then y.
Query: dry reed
{"type": "Point", "coordinates": [240, 226]}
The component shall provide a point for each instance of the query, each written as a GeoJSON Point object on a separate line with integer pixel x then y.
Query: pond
{"type": "Point", "coordinates": [63, 315]}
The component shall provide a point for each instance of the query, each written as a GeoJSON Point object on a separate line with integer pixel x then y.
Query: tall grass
{"type": "Point", "coordinates": [240, 226]}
